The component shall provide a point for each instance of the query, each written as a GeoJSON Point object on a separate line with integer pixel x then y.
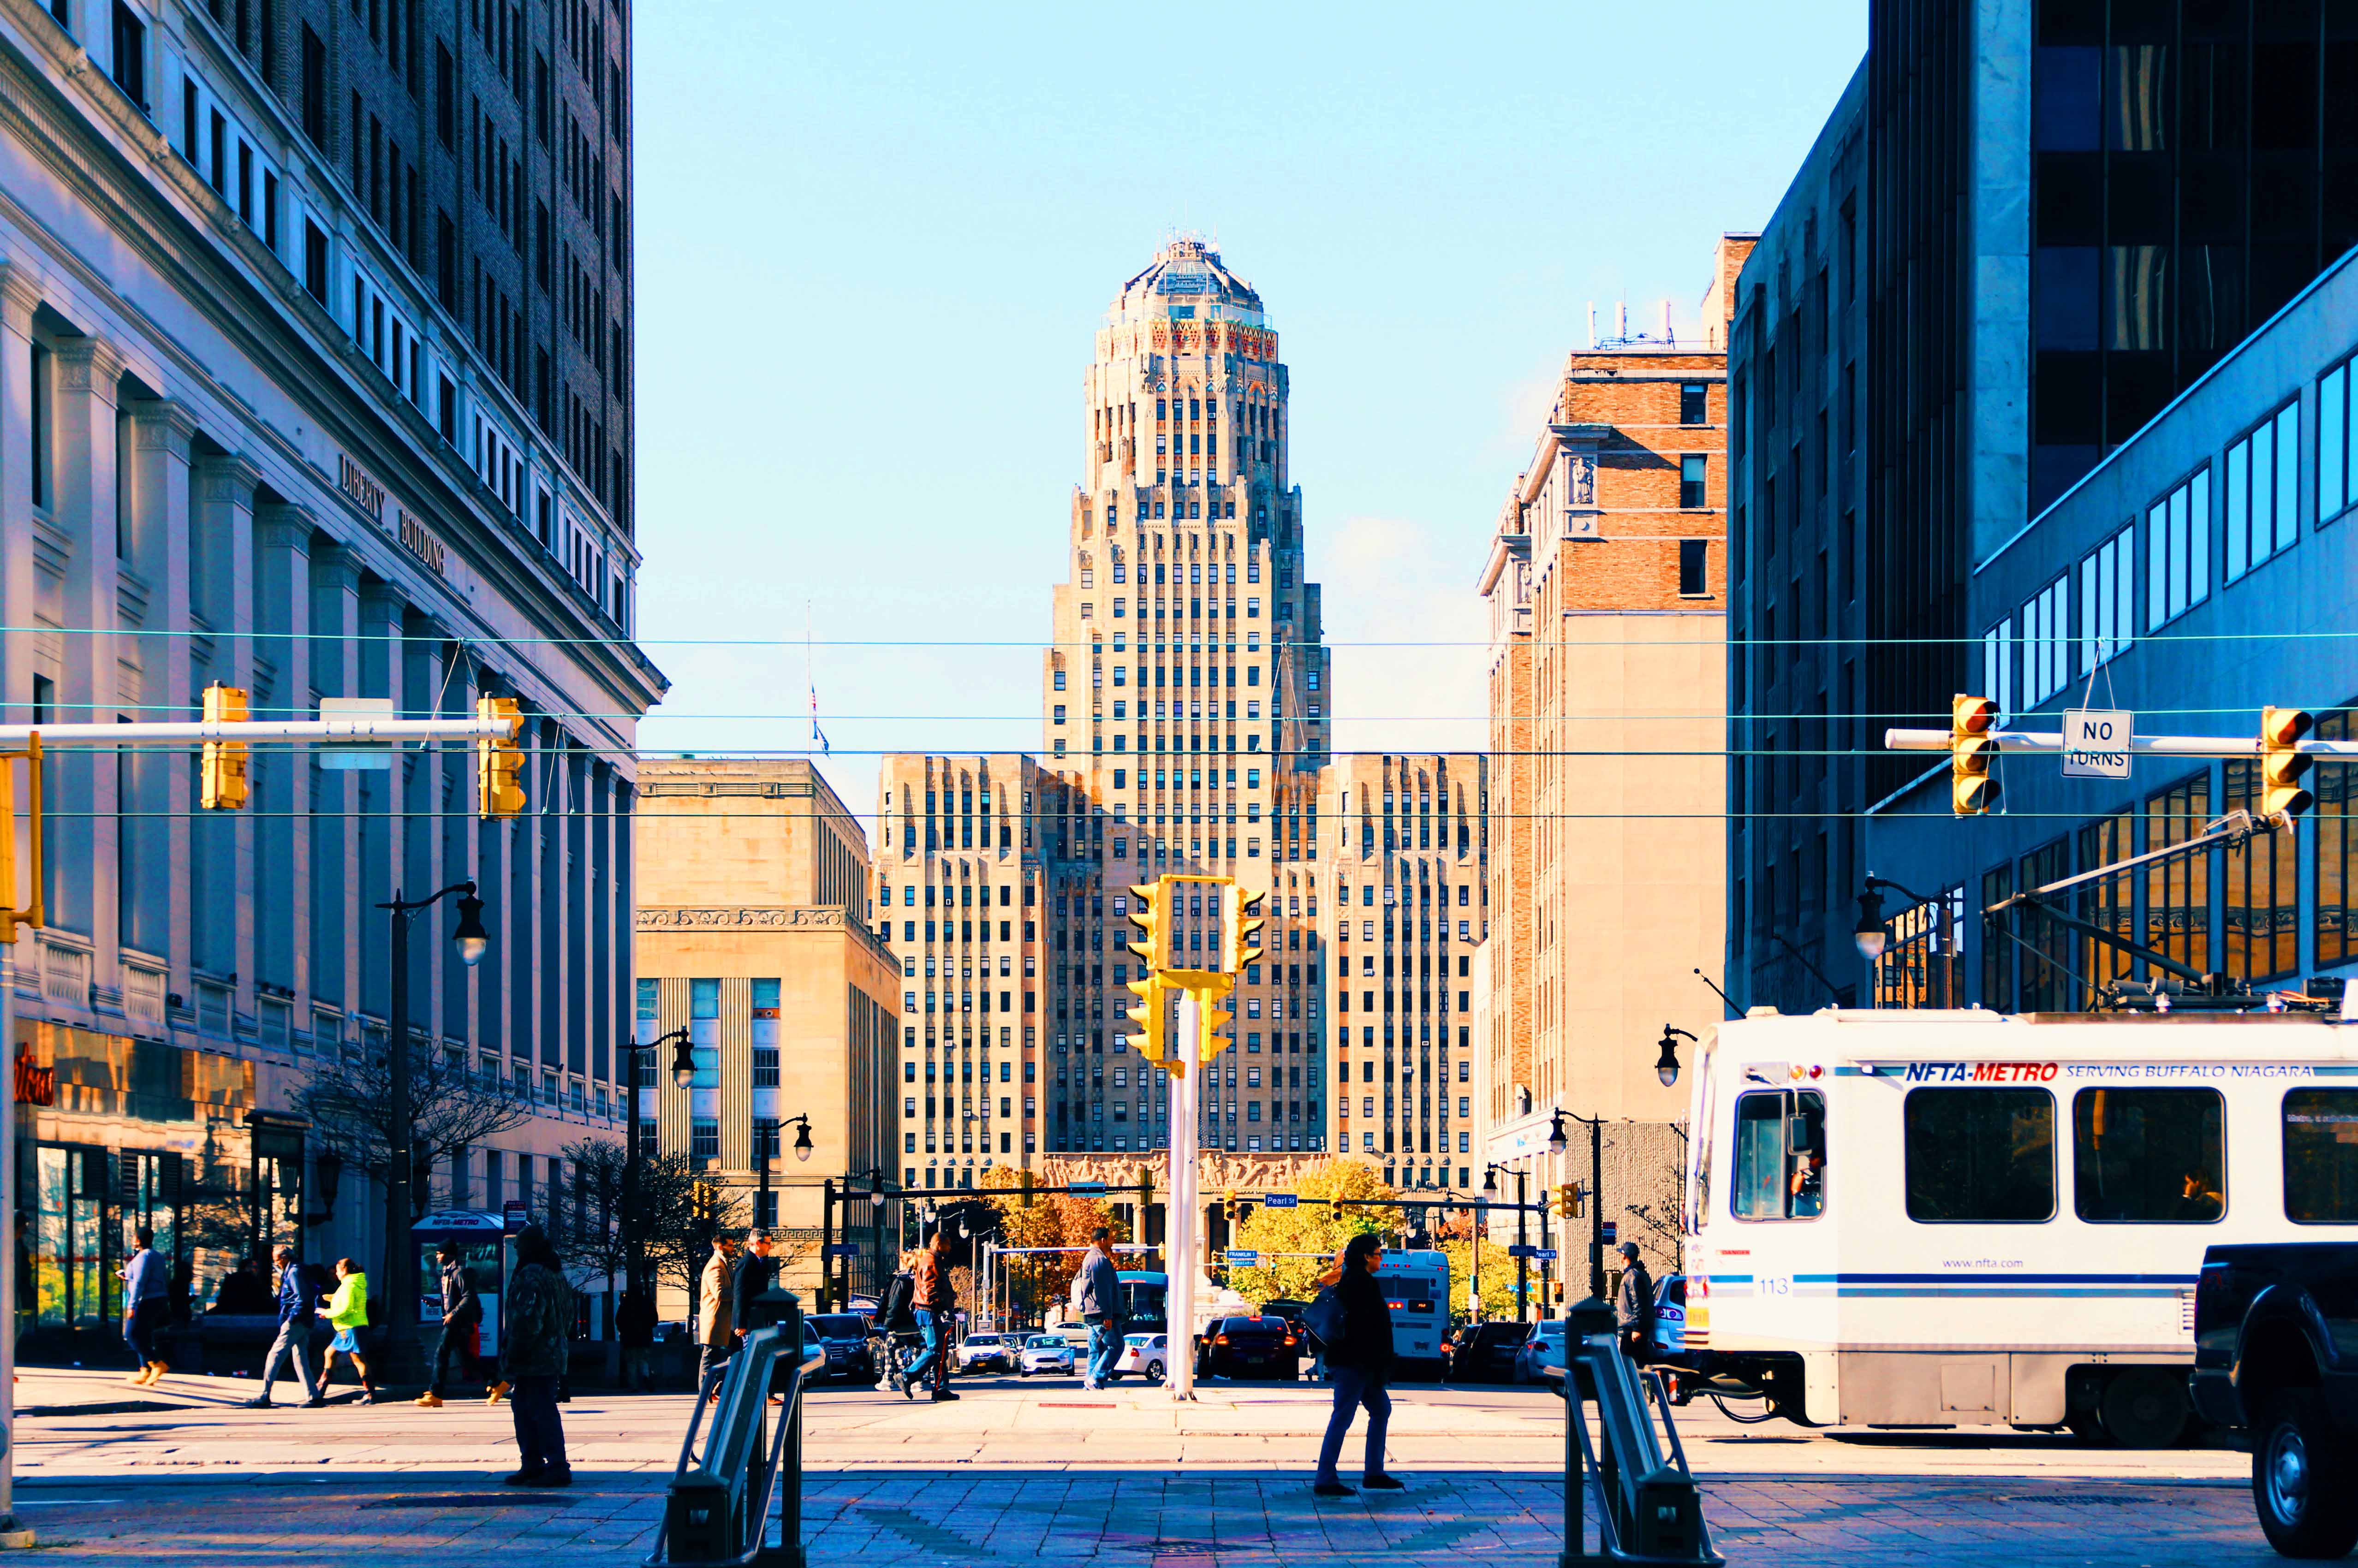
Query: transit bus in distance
{"type": "Point", "coordinates": [1968, 1218]}
{"type": "Point", "coordinates": [1416, 1287]}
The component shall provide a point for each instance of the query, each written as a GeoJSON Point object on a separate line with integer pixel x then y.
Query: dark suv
{"type": "Point", "coordinates": [1252, 1348]}
{"type": "Point", "coordinates": [1483, 1352]}
{"type": "Point", "coordinates": [844, 1336]}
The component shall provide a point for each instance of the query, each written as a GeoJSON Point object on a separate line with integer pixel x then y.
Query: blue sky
{"type": "Point", "coordinates": [874, 244]}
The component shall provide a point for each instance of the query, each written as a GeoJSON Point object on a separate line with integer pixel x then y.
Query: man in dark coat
{"type": "Point", "coordinates": [1633, 1306]}
{"type": "Point", "coordinates": [462, 1310]}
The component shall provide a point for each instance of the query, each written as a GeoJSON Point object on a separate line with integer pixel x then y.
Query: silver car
{"type": "Point", "coordinates": [1543, 1348]}
{"type": "Point", "coordinates": [1149, 1355]}
{"type": "Point", "coordinates": [1045, 1353]}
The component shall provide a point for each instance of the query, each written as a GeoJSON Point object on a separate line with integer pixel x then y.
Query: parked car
{"type": "Point", "coordinates": [1671, 1315]}
{"type": "Point", "coordinates": [1482, 1352]}
{"type": "Point", "coordinates": [1148, 1355]}
{"type": "Point", "coordinates": [1255, 1347]}
{"type": "Point", "coordinates": [1045, 1353]}
{"type": "Point", "coordinates": [2276, 1358]}
{"type": "Point", "coordinates": [844, 1336]}
{"type": "Point", "coordinates": [1542, 1348]}
{"type": "Point", "coordinates": [987, 1353]}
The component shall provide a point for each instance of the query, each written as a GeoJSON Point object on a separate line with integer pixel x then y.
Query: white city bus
{"type": "Point", "coordinates": [1416, 1287]}
{"type": "Point", "coordinates": [1958, 1218]}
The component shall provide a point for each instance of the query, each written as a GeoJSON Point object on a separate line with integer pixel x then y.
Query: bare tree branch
{"type": "Point", "coordinates": [349, 1102]}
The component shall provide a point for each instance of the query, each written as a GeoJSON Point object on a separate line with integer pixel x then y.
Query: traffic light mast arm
{"type": "Point", "coordinates": [2139, 745]}
{"type": "Point", "coordinates": [293, 730]}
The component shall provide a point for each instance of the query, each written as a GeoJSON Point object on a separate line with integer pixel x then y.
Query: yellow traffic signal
{"type": "Point", "coordinates": [1244, 921]}
{"type": "Point", "coordinates": [1148, 1015]}
{"type": "Point", "coordinates": [222, 781]}
{"type": "Point", "coordinates": [1211, 1019]}
{"type": "Point", "coordinates": [1972, 719]}
{"type": "Point", "coordinates": [499, 761]}
{"type": "Point", "coordinates": [2281, 765]}
{"type": "Point", "coordinates": [1228, 1205]}
{"type": "Point", "coordinates": [1567, 1200]}
{"type": "Point", "coordinates": [1146, 913]}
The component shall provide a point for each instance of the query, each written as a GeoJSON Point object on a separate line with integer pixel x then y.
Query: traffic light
{"type": "Point", "coordinates": [1244, 921]}
{"type": "Point", "coordinates": [499, 761]}
{"type": "Point", "coordinates": [223, 782]}
{"type": "Point", "coordinates": [1148, 1015]}
{"type": "Point", "coordinates": [1211, 1019]}
{"type": "Point", "coordinates": [1228, 1205]}
{"type": "Point", "coordinates": [1567, 1200]}
{"type": "Point", "coordinates": [2281, 765]}
{"type": "Point", "coordinates": [1146, 913]}
{"type": "Point", "coordinates": [1972, 791]}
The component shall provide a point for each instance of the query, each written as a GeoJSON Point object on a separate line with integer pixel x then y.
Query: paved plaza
{"type": "Point", "coordinates": [1016, 1472]}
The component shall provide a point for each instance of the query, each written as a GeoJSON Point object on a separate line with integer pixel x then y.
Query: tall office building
{"type": "Point", "coordinates": [2066, 213]}
{"type": "Point", "coordinates": [312, 383]}
{"type": "Point", "coordinates": [1607, 582]}
{"type": "Point", "coordinates": [1186, 728]}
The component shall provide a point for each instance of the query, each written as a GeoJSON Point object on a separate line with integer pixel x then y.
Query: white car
{"type": "Point", "coordinates": [1045, 1353]}
{"type": "Point", "coordinates": [995, 1352]}
{"type": "Point", "coordinates": [1148, 1355]}
{"type": "Point", "coordinates": [1543, 1348]}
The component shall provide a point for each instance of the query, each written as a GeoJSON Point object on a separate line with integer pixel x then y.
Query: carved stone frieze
{"type": "Point", "coordinates": [800, 917]}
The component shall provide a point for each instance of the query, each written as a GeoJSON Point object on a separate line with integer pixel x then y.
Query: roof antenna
{"type": "Point", "coordinates": [1621, 320]}
{"type": "Point", "coordinates": [1592, 323]}
{"type": "Point", "coordinates": [1667, 336]}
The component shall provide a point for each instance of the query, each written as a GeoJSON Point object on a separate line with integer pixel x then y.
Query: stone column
{"type": "Point", "coordinates": [280, 871]}
{"type": "Point", "coordinates": [157, 559]}
{"type": "Point", "coordinates": [464, 996]}
{"type": "Point", "coordinates": [19, 297]}
{"type": "Point", "coordinates": [377, 834]}
{"type": "Point", "coordinates": [85, 444]}
{"type": "Point", "coordinates": [222, 600]}
{"type": "Point", "coordinates": [336, 927]}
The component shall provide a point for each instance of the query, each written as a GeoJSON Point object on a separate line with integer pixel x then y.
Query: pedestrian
{"type": "Point", "coordinates": [462, 1314]}
{"type": "Point", "coordinates": [634, 1324]}
{"type": "Point", "coordinates": [299, 1314]}
{"type": "Point", "coordinates": [148, 1294]}
{"type": "Point", "coordinates": [1359, 1362]}
{"type": "Point", "coordinates": [533, 1356]}
{"type": "Point", "coordinates": [755, 1276]}
{"type": "Point", "coordinates": [716, 1320]}
{"type": "Point", "coordinates": [1633, 1306]}
{"type": "Point", "coordinates": [936, 1301]}
{"type": "Point", "coordinates": [895, 1321]}
{"type": "Point", "coordinates": [1100, 1302]}
{"type": "Point", "coordinates": [348, 1314]}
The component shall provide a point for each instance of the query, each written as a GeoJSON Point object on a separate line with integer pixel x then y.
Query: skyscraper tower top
{"type": "Point", "coordinates": [1186, 282]}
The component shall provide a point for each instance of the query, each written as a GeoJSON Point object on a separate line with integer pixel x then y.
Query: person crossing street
{"type": "Point", "coordinates": [462, 1315]}
{"type": "Point", "coordinates": [1100, 1303]}
{"type": "Point", "coordinates": [299, 1315]}
{"type": "Point", "coordinates": [936, 1304]}
{"type": "Point", "coordinates": [148, 1290]}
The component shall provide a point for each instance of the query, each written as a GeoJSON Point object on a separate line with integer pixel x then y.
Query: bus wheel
{"type": "Point", "coordinates": [2144, 1407]}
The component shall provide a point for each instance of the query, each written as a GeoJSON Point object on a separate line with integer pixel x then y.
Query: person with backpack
{"type": "Point", "coordinates": [1097, 1298]}
{"type": "Point", "coordinates": [298, 1313]}
{"type": "Point", "coordinates": [533, 1356]}
{"type": "Point", "coordinates": [894, 1324]}
{"type": "Point", "coordinates": [1359, 1355]}
{"type": "Point", "coordinates": [462, 1314]}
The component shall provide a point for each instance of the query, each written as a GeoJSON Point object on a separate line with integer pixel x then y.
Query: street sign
{"type": "Point", "coordinates": [843, 1249]}
{"type": "Point", "coordinates": [1522, 1249]}
{"type": "Point", "coordinates": [1097, 1188]}
{"type": "Point", "coordinates": [1243, 1257]}
{"type": "Point", "coordinates": [514, 1214]}
{"type": "Point", "coordinates": [376, 755]}
{"type": "Point", "coordinates": [1280, 1200]}
{"type": "Point", "coordinates": [1544, 1254]}
{"type": "Point", "coordinates": [2097, 743]}
{"type": "Point", "coordinates": [1612, 1232]}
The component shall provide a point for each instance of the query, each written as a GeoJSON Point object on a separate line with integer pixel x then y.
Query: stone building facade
{"type": "Point", "coordinates": [250, 434]}
{"type": "Point", "coordinates": [1607, 587]}
{"type": "Point", "coordinates": [754, 934]}
{"type": "Point", "coordinates": [1188, 728]}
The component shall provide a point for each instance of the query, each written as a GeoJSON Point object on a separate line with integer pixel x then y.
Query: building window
{"type": "Point", "coordinates": [2262, 490]}
{"type": "Point", "coordinates": [315, 261]}
{"type": "Point", "coordinates": [1694, 470]}
{"type": "Point", "coordinates": [1694, 556]}
{"type": "Point", "coordinates": [38, 467]}
{"type": "Point", "coordinates": [2107, 585]}
{"type": "Point", "coordinates": [2044, 627]}
{"type": "Point", "coordinates": [130, 57]}
{"type": "Point", "coordinates": [1997, 668]}
{"type": "Point", "coordinates": [704, 1138]}
{"type": "Point", "coordinates": [2178, 551]}
{"type": "Point", "coordinates": [315, 88]}
{"type": "Point", "coordinates": [2334, 487]}
{"type": "Point", "coordinates": [1694, 403]}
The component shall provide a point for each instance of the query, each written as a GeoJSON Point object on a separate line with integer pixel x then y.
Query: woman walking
{"type": "Point", "coordinates": [348, 1314]}
{"type": "Point", "coordinates": [1359, 1361]}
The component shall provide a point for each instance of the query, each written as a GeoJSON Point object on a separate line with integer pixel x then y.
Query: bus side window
{"type": "Point", "coordinates": [1780, 1155]}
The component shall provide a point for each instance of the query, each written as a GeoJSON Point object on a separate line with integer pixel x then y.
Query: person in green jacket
{"type": "Point", "coordinates": [348, 1314]}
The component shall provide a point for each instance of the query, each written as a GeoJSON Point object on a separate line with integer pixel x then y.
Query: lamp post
{"type": "Point", "coordinates": [1523, 1235]}
{"type": "Point", "coordinates": [401, 1257]}
{"type": "Point", "coordinates": [683, 1073]}
{"type": "Point", "coordinates": [1666, 1068]}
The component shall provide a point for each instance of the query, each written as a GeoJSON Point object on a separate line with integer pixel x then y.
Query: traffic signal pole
{"type": "Point", "coordinates": [1179, 1294]}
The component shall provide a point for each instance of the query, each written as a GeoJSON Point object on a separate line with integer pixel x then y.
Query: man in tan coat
{"type": "Point", "coordinates": [715, 1317]}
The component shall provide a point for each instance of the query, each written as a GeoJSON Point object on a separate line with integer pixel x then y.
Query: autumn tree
{"type": "Point", "coordinates": [1315, 1230]}
{"type": "Point", "coordinates": [1038, 1281]}
{"type": "Point", "coordinates": [1497, 1277]}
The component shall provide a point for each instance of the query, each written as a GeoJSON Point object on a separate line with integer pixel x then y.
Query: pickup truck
{"type": "Point", "coordinates": [2276, 1360]}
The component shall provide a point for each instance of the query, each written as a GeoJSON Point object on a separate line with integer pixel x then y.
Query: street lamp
{"type": "Point", "coordinates": [1522, 1233]}
{"type": "Point", "coordinates": [1666, 1065]}
{"type": "Point", "coordinates": [401, 1256]}
{"type": "Point", "coordinates": [1556, 1140]}
{"type": "Point", "coordinates": [683, 1073]}
{"type": "Point", "coordinates": [1870, 932]}
{"type": "Point", "coordinates": [765, 1136]}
